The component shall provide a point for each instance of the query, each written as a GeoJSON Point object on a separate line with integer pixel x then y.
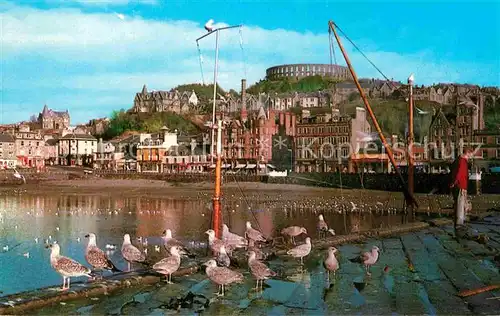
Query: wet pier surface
{"type": "Point", "coordinates": [418, 273]}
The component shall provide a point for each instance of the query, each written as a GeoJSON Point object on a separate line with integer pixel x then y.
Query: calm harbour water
{"type": "Point", "coordinates": [27, 222]}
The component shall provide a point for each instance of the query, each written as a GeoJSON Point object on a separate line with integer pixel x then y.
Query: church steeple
{"type": "Point", "coordinates": [144, 90]}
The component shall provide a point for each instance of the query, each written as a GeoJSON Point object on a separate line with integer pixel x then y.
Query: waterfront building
{"type": "Point", "coordinates": [325, 142]}
{"type": "Point", "coordinates": [76, 149]}
{"type": "Point", "coordinates": [152, 148]}
{"type": "Point", "coordinates": [30, 147]}
{"type": "Point", "coordinates": [7, 151]}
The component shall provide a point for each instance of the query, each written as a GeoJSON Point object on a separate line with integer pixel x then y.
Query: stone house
{"type": "Point", "coordinates": [30, 147]}
{"type": "Point", "coordinates": [7, 151]}
{"type": "Point", "coordinates": [50, 119]}
{"type": "Point", "coordinates": [164, 101]}
{"type": "Point", "coordinates": [325, 142]}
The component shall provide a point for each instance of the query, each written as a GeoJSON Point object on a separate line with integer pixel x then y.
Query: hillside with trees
{"type": "Point", "coordinates": [123, 121]}
{"type": "Point", "coordinates": [284, 85]}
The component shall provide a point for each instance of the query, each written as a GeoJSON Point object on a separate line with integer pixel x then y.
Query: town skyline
{"type": "Point", "coordinates": [77, 70]}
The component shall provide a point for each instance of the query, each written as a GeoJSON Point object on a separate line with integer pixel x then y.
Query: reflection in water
{"type": "Point", "coordinates": [27, 221]}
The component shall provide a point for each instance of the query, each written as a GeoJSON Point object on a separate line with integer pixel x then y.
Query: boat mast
{"type": "Point", "coordinates": [410, 200]}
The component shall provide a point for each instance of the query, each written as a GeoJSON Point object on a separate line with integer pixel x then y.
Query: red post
{"type": "Point", "coordinates": [216, 218]}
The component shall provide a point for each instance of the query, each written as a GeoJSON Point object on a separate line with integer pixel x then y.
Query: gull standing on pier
{"type": "Point", "coordinates": [293, 231]}
{"type": "Point", "coordinates": [169, 242]}
{"type": "Point", "coordinates": [331, 263]}
{"type": "Point", "coordinates": [253, 234]}
{"type": "Point", "coordinates": [65, 266]}
{"type": "Point", "coordinates": [301, 250]}
{"type": "Point", "coordinates": [215, 243]}
{"type": "Point", "coordinates": [259, 270]}
{"type": "Point", "coordinates": [222, 257]}
{"type": "Point", "coordinates": [233, 239]}
{"type": "Point", "coordinates": [222, 276]}
{"type": "Point", "coordinates": [96, 257]}
{"type": "Point", "coordinates": [368, 258]}
{"type": "Point", "coordinates": [170, 264]}
{"type": "Point", "coordinates": [130, 253]}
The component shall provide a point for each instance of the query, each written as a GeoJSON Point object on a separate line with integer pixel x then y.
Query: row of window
{"type": "Point", "coordinates": [323, 130]}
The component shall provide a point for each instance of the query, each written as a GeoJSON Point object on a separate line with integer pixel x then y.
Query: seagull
{"type": "Point", "coordinates": [301, 250]}
{"type": "Point", "coordinates": [222, 257]}
{"type": "Point", "coordinates": [65, 266]}
{"type": "Point", "coordinates": [215, 243]}
{"type": "Point", "coordinates": [170, 264]}
{"type": "Point", "coordinates": [259, 270]}
{"type": "Point", "coordinates": [421, 112]}
{"type": "Point", "coordinates": [293, 231]}
{"type": "Point", "coordinates": [331, 263]}
{"type": "Point", "coordinates": [130, 253]}
{"type": "Point", "coordinates": [233, 239]}
{"type": "Point", "coordinates": [19, 176]}
{"type": "Point", "coordinates": [96, 257]}
{"type": "Point", "coordinates": [368, 258]}
{"type": "Point", "coordinates": [120, 16]}
{"type": "Point", "coordinates": [354, 207]}
{"type": "Point", "coordinates": [169, 242]}
{"type": "Point", "coordinates": [221, 275]}
{"type": "Point", "coordinates": [322, 226]}
{"type": "Point", "coordinates": [253, 234]}
{"type": "Point", "coordinates": [209, 26]}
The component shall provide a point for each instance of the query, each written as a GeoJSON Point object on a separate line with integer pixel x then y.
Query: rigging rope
{"type": "Point", "coordinates": [244, 197]}
{"type": "Point", "coordinates": [359, 50]}
{"type": "Point", "coordinates": [201, 63]}
{"type": "Point", "coordinates": [243, 52]}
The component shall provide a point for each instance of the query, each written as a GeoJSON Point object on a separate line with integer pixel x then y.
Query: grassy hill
{"type": "Point", "coordinates": [308, 84]}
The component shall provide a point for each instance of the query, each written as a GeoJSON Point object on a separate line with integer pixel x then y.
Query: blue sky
{"type": "Point", "coordinates": [91, 57]}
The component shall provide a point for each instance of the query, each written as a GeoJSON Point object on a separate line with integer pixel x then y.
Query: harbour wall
{"type": "Point", "coordinates": [424, 183]}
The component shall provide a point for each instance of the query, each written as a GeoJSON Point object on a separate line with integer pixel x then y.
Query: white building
{"type": "Point", "coordinates": [76, 149]}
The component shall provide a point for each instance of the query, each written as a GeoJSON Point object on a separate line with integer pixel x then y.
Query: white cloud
{"type": "Point", "coordinates": [104, 56]}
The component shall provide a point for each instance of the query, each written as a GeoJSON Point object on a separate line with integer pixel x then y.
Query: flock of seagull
{"type": "Point", "coordinates": [217, 268]}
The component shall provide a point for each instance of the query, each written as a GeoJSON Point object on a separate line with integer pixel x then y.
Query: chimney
{"type": "Point", "coordinates": [243, 92]}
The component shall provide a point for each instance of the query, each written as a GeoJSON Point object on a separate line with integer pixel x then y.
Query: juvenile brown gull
{"type": "Point", "coordinates": [301, 250]}
{"type": "Point", "coordinates": [130, 253]}
{"type": "Point", "coordinates": [259, 270]}
{"type": "Point", "coordinates": [170, 264]}
{"type": "Point", "coordinates": [253, 234]}
{"type": "Point", "coordinates": [222, 257]}
{"type": "Point", "coordinates": [293, 231]}
{"type": "Point", "coordinates": [222, 276]}
{"type": "Point", "coordinates": [65, 266]}
{"type": "Point", "coordinates": [169, 241]}
{"type": "Point", "coordinates": [96, 257]}
{"type": "Point", "coordinates": [331, 263]}
{"type": "Point", "coordinates": [215, 243]}
{"type": "Point", "coordinates": [368, 258]}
